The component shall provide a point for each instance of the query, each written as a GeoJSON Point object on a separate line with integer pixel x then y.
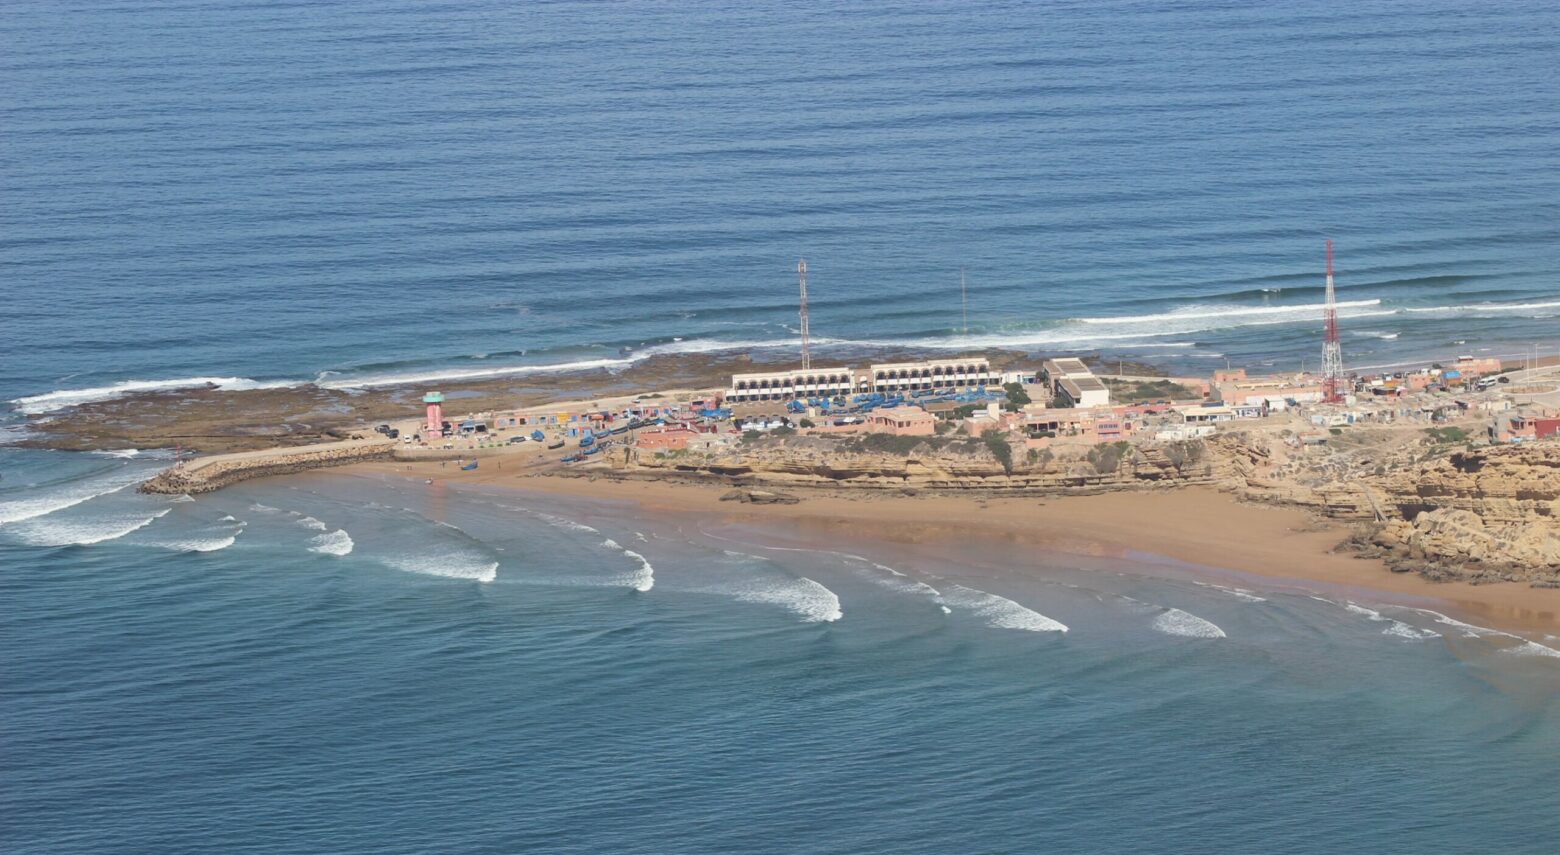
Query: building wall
{"type": "Point", "coordinates": [671, 440]}
{"type": "Point", "coordinates": [883, 377]}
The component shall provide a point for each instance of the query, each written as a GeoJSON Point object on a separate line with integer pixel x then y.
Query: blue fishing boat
{"type": "Point", "coordinates": [469, 466]}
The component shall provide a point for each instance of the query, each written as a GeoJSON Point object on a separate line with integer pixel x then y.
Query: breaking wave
{"type": "Point", "coordinates": [1125, 331]}
{"type": "Point", "coordinates": [70, 496]}
{"type": "Point", "coordinates": [312, 524]}
{"type": "Point", "coordinates": [56, 532]}
{"type": "Point", "coordinates": [641, 579]}
{"type": "Point", "coordinates": [1394, 627]}
{"type": "Point", "coordinates": [897, 581]}
{"type": "Point", "coordinates": [199, 544]}
{"type": "Point", "coordinates": [336, 542]}
{"type": "Point", "coordinates": [811, 601]}
{"type": "Point", "coordinates": [1001, 612]}
{"type": "Point", "coordinates": [1186, 624]}
{"type": "Point", "coordinates": [35, 405]}
{"type": "Point", "coordinates": [1533, 648]}
{"type": "Point", "coordinates": [458, 564]}
{"type": "Point", "coordinates": [566, 524]}
{"type": "Point", "coordinates": [1237, 593]}
{"type": "Point", "coordinates": [1312, 311]}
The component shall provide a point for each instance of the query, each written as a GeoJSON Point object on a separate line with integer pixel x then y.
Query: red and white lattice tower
{"type": "Point", "coordinates": [1332, 351]}
{"type": "Point", "coordinates": [801, 271]}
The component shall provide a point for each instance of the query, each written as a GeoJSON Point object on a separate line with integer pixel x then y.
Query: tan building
{"type": "Point", "coordinates": [902, 421]}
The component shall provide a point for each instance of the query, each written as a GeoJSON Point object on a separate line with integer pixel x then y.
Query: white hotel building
{"type": "Point", "coordinates": [889, 377]}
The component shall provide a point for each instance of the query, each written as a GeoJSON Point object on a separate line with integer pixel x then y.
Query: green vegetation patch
{"type": "Point", "coordinates": [1128, 391]}
{"type": "Point", "coordinates": [1447, 434]}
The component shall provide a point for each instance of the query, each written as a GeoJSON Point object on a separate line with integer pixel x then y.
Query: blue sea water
{"type": "Point", "coordinates": [368, 191]}
{"type": "Point", "coordinates": [357, 192]}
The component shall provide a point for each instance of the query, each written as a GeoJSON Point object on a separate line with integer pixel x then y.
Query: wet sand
{"type": "Point", "coordinates": [1214, 535]}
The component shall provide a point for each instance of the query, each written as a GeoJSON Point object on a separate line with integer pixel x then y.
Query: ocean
{"type": "Point", "coordinates": [356, 193]}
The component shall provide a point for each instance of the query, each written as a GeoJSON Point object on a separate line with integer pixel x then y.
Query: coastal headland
{"type": "Point", "coordinates": [1419, 485]}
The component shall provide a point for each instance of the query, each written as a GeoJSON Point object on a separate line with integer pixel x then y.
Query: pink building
{"type": "Point", "coordinates": [902, 421]}
{"type": "Point", "coordinates": [666, 439]}
{"type": "Point", "coordinates": [435, 424]}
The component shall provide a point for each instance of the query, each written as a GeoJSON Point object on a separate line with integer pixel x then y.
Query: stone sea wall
{"type": "Point", "coordinates": [208, 474]}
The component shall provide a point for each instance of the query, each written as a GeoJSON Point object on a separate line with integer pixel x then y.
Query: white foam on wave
{"type": "Point", "coordinates": [182, 498]}
{"type": "Point", "coordinates": [1487, 307]}
{"type": "Point", "coordinates": [1527, 647]}
{"type": "Point", "coordinates": [1409, 631]}
{"type": "Point", "coordinates": [1225, 313]}
{"type": "Point", "coordinates": [642, 579]}
{"type": "Point", "coordinates": [312, 524]}
{"type": "Point", "coordinates": [1533, 648]}
{"type": "Point", "coordinates": [60, 399]}
{"type": "Point", "coordinates": [1186, 624]}
{"type": "Point", "coordinates": [811, 601]}
{"type": "Point", "coordinates": [1395, 627]}
{"type": "Point", "coordinates": [1001, 612]}
{"type": "Point", "coordinates": [458, 564]}
{"type": "Point", "coordinates": [53, 531]}
{"type": "Point", "coordinates": [1237, 593]}
{"type": "Point", "coordinates": [566, 524]}
{"type": "Point", "coordinates": [121, 453]}
{"type": "Point", "coordinates": [68, 496]}
{"type": "Point", "coordinates": [336, 542]}
{"type": "Point", "coordinates": [897, 581]}
{"type": "Point", "coordinates": [199, 544]}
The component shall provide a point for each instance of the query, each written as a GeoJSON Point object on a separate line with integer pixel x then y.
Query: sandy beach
{"type": "Point", "coordinates": [1210, 532]}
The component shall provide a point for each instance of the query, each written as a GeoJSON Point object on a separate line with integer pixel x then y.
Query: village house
{"type": "Point", "coordinates": [1528, 425]}
{"type": "Point", "coordinates": [902, 421]}
{"type": "Point", "coordinates": [665, 439]}
{"type": "Point", "coordinates": [1072, 384]}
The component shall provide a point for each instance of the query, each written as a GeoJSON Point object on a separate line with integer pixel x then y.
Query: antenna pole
{"type": "Point", "coordinates": [801, 272]}
{"type": "Point", "coordinates": [1332, 350]}
{"type": "Point", "coordinates": [964, 303]}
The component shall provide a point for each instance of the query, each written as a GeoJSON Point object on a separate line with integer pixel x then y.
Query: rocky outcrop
{"type": "Point", "coordinates": [759, 497]}
{"type": "Point", "coordinates": [1456, 544]}
{"type": "Point", "coordinates": [1501, 484]}
{"type": "Point", "coordinates": [971, 468]}
{"type": "Point", "coordinates": [1482, 515]}
{"type": "Point", "coordinates": [204, 475]}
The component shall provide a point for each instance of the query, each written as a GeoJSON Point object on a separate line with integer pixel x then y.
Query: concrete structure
{"type": "Point", "coordinates": [1084, 424]}
{"type": "Point", "coordinates": [890, 377]}
{"type": "Point", "coordinates": [1082, 392]}
{"type": "Point", "coordinates": [902, 421]}
{"type": "Point", "coordinates": [665, 439]}
{"type": "Point", "coordinates": [1270, 391]}
{"type": "Point", "coordinates": [1072, 383]}
{"type": "Point", "coordinates": [1206, 414]}
{"type": "Point", "coordinates": [435, 424]}
{"type": "Point", "coordinates": [1469, 366]}
{"type": "Point", "coordinates": [1524, 427]}
{"type": "Point", "coordinates": [785, 385]}
{"type": "Point", "coordinates": [950, 374]}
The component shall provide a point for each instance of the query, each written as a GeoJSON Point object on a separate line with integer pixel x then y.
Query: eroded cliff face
{"type": "Point", "coordinates": [1501, 484]}
{"type": "Point", "coordinates": [804, 464]}
{"type": "Point", "coordinates": [1481, 515]}
{"type": "Point", "coordinates": [1484, 515]}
